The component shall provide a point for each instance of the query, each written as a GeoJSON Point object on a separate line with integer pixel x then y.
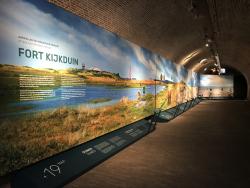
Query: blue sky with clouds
{"type": "Point", "coordinates": [78, 38]}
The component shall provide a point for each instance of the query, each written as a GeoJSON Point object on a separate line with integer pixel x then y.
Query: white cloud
{"type": "Point", "coordinates": [22, 18]}
{"type": "Point", "coordinates": [148, 63]}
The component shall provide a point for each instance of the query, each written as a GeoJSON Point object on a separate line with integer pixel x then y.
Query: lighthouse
{"type": "Point", "coordinates": [83, 66]}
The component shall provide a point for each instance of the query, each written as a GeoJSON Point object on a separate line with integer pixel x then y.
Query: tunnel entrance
{"type": "Point", "coordinates": [240, 83]}
{"type": "Point", "coordinates": [240, 87]}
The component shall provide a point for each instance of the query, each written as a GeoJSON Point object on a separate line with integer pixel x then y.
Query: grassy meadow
{"type": "Point", "coordinates": [28, 139]}
{"type": "Point", "coordinates": [174, 94]}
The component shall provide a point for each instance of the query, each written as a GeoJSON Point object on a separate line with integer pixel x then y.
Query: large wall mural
{"type": "Point", "coordinates": [65, 81]}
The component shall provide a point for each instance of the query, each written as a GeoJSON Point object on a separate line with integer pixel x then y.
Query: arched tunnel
{"type": "Point", "coordinates": [125, 93]}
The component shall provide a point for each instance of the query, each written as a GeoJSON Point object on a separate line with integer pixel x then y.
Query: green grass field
{"type": "Point", "coordinates": [28, 139]}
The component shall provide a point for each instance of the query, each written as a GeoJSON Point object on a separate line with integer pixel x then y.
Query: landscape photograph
{"type": "Point", "coordinates": [48, 106]}
{"type": "Point", "coordinates": [65, 81]}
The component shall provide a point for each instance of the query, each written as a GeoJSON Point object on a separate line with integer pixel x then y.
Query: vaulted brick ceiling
{"type": "Point", "coordinates": [176, 29]}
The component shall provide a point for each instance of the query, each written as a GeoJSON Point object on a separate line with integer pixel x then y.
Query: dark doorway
{"type": "Point", "coordinates": [240, 83]}
{"type": "Point", "coordinates": [240, 87]}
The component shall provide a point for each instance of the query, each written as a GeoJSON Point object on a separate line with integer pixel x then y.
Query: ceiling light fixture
{"type": "Point", "coordinates": [203, 61]}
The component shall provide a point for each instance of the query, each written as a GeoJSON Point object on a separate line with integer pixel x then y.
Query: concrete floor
{"type": "Point", "coordinates": [207, 146]}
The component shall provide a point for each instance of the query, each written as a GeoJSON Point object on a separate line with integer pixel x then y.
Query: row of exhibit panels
{"type": "Point", "coordinates": [65, 81]}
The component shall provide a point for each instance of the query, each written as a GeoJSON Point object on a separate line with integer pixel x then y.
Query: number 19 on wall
{"type": "Point", "coordinates": [53, 170]}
